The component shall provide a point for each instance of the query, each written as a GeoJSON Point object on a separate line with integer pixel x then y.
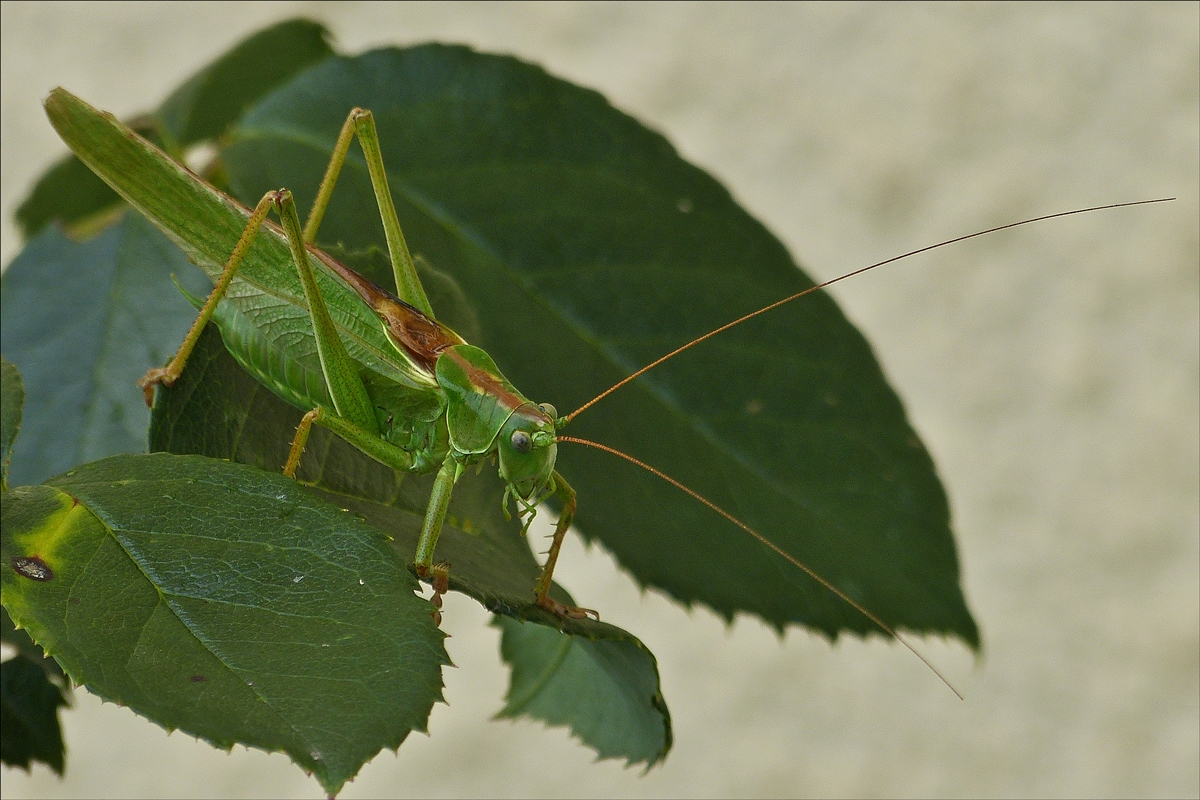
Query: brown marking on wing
{"type": "Point", "coordinates": [422, 338]}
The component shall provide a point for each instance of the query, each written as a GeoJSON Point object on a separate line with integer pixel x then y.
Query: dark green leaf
{"type": "Point", "coordinates": [227, 602]}
{"type": "Point", "coordinates": [218, 94]}
{"type": "Point", "coordinates": [72, 195]}
{"type": "Point", "coordinates": [216, 408]}
{"type": "Point", "coordinates": [605, 688]}
{"type": "Point", "coordinates": [12, 398]}
{"type": "Point", "coordinates": [588, 247]}
{"type": "Point", "coordinates": [29, 729]}
{"type": "Point", "coordinates": [67, 193]}
{"type": "Point", "coordinates": [84, 321]}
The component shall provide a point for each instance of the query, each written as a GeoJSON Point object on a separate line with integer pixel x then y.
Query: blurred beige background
{"type": "Point", "coordinates": [1053, 372]}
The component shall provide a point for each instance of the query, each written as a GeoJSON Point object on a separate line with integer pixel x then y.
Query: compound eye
{"type": "Point", "coordinates": [548, 410]}
{"type": "Point", "coordinates": [521, 442]}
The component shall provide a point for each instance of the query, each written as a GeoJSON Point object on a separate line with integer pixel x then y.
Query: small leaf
{"type": "Point", "coordinates": [12, 399]}
{"type": "Point", "coordinates": [29, 727]}
{"type": "Point", "coordinates": [602, 684]}
{"type": "Point", "coordinates": [217, 95]}
{"type": "Point", "coordinates": [227, 602]}
{"type": "Point", "coordinates": [84, 321]}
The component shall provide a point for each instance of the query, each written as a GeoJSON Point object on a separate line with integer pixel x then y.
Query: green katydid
{"type": "Point", "coordinates": [410, 392]}
{"type": "Point", "coordinates": [480, 415]}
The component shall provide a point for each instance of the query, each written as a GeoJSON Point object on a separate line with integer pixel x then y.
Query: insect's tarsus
{"type": "Point", "coordinates": [820, 286]}
{"type": "Point", "coordinates": [816, 576]}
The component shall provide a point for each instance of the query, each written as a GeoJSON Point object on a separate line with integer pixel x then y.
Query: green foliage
{"type": "Point", "coordinates": [12, 398]}
{"type": "Point", "coordinates": [29, 692]}
{"type": "Point", "coordinates": [29, 727]}
{"type": "Point", "coordinates": [559, 234]}
{"type": "Point", "coordinates": [83, 321]}
{"type": "Point", "coordinates": [605, 689]}
{"type": "Point", "coordinates": [225, 601]}
{"type": "Point", "coordinates": [205, 105]}
{"type": "Point", "coordinates": [626, 716]}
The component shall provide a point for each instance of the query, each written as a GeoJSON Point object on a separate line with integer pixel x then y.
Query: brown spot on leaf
{"type": "Point", "coordinates": [32, 567]}
{"type": "Point", "coordinates": [198, 679]}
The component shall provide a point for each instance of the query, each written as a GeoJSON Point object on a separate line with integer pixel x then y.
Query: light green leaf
{"type": "Point", "coordinates": [227, 602]}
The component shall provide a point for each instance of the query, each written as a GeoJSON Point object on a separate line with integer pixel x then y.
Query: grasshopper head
{"type": "Point", "coordinates": [527, 449]}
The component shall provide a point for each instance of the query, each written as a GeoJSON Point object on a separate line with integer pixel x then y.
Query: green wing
{"type": "Point", "coordinates": [206, 224]}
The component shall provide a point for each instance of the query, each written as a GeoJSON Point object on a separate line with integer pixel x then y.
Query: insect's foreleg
{"type": "Point", "coordinates": [341, 372]}
{"type": "Point", "coordinates": [566, 494]}
{"type": "Point", "coordinates": [541, 589]}
{"type": "Point", "coordinates": [360, 121]}
{"type": "Point", "coordinates": [170, 373]}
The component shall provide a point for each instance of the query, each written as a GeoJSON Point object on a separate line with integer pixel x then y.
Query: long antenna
{"type": "Point", "coordinates": [811, 289]}
{"type": "Point", "coordinates": [786, 555]}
